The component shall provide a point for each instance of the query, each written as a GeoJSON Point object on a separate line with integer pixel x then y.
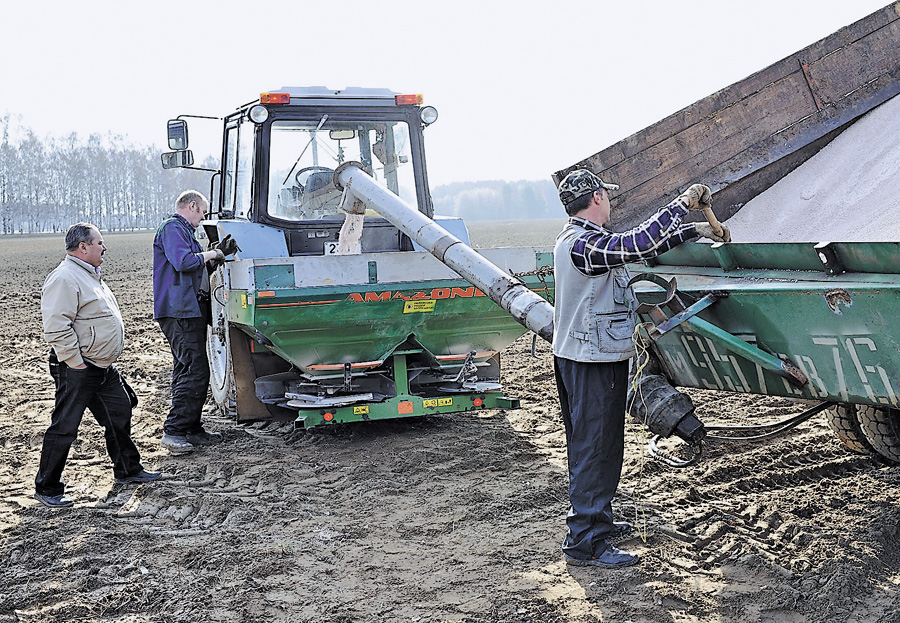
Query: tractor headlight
{"type": "Point", "coordinates": [428, 115]}
{"type": "Point", "coordinates": [259, 114]}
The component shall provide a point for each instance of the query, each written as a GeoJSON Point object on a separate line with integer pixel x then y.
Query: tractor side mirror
{"type": "Point", "coordinates": [178, 134]}
{"type": "Point", "coordinates": [177, 159]}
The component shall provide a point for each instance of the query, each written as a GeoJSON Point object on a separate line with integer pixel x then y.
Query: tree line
{"type": "Point", "coordinates": [498, 200]}
{"type": "Point", "coordinates": [46, 184]}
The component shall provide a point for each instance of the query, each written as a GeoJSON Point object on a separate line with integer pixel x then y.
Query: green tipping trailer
{"type": "Point", "coordinates": [813, 322]}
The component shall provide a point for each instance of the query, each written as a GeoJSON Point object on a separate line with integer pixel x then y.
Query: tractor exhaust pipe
{"type": "Point", "coordinates": [526, 307]}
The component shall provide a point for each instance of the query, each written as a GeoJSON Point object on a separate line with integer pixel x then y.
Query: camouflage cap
{"type": "Point", "coordinates": [579, 183]}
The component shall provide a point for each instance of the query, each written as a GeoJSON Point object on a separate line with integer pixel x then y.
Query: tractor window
{"type": "Point", "coordinates": [238, 170]}
{"type": "Point", "coordinates": [228, 170]}
{"type": "Point", "coordinates": [304, 154]}
{"type": "Point", "coordinates": [243, 187]}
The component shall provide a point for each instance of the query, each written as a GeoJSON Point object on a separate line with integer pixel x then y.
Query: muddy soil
{"type": "Point", "coordinates": [449, 518]}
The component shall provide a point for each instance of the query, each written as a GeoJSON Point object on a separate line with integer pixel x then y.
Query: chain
{"type": "Point", "coordinates": [541, 273]}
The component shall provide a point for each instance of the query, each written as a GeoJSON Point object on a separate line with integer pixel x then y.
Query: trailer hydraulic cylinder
{"type": "Point", "coordinates": [510, 293]}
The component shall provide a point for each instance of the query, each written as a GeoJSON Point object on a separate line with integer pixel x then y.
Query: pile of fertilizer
{"type": "Point", "coordinates": [848, 192]}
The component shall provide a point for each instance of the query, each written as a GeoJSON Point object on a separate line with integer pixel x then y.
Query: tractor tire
{"type": "Point", "coordinates": [881, 427]}
{"type": "Point", "coordinates": [843, 419]}
{"type": "Point", "coordinates": [218, 349]}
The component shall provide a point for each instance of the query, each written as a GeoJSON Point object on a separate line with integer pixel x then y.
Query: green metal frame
{"type": "Point", "coordinates": [405, 404]}
{"type": "Point", "coordinates": [828, 309]}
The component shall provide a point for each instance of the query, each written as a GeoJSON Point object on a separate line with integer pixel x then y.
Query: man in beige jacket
{"type": "Point", "coordinates": [83, 325]}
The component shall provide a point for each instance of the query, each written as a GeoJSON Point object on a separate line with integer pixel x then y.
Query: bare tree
{"type": "Point", "coordinates": [47, 184]}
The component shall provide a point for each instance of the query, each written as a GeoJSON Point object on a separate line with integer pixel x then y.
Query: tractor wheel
{"type": "Point", "coordinates": [844, 421]}
{"type": "Point", "coordinates": [218, 349]}
{"type": "Point", "coordinates": [881, 426]}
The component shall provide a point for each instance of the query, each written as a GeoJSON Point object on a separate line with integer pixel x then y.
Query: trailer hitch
{"type": "Point", "coordinates": [687, 314]}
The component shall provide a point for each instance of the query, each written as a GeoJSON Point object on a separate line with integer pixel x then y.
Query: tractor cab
{"type": "Point", "coordinates": [280, 152]}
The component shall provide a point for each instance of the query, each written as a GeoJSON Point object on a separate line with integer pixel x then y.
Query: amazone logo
{"type": "Point", "coordinates": [437, 293]}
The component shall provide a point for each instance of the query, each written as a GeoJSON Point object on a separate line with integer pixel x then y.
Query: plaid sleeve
{"type": "Point", "coordinates": [596, 252]}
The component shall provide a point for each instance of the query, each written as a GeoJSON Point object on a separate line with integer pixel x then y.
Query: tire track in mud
{"type": "Point", "coordinates": [769, 509]}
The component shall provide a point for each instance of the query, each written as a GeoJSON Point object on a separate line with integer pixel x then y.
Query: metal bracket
{"type": "Point", "coordinates": [468, 368]}
{"type": "Point", "coordinates": [688, 315]}
{"type": "Point", "coordinates": [831, 263]}
{"type": "Point", "coordinates": [663, 325]}
{"type": "Point", "coordinates": [804, 67]}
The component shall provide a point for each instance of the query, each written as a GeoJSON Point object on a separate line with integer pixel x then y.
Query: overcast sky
{"type": "Point", "coordinates": [522, 89]}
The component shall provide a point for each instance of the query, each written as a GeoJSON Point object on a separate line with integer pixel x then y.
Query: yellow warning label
{"type": "Point", "coordinates": [360, 410]}
{"type": "Point", "coordinates": [438, 402]}
{"type": "Point", "coordinates": [411, 307]}
{"type": "Point", "coordinates": [244, 300]}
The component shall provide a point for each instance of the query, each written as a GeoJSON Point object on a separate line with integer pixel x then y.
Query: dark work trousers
{"type": "Point", "coordinates": [592, 398]}
{"type": "Point", "coordinates": [190, 373]}
{"type": "Point", "coordinates": [102, 391]}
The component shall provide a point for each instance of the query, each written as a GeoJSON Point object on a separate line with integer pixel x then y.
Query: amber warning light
{"type": "Point", "coordinates": [408, 100]}
{"type": "Point", "coordinates": [274, 98]}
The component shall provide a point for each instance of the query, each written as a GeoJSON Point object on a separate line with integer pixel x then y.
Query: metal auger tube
{"type": "Point", "coordinates": [526, 307]}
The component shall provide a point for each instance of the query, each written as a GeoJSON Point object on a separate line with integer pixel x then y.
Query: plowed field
{"type": "Point", "coordinates": [449, 518]}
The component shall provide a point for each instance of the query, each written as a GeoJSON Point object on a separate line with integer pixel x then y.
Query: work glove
{"type": "Point", "coordinates": [228, 245]}
{"type": "Point", "coordinates": [706, 230]}
{"type": "Point", "coordinates": [696, 197]}
{"type": "Point", "coordinates": [219, 259]}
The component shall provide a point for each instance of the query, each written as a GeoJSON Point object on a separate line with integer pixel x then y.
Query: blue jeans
{"type": "Point", "coordinates": [592, 399]}
{"type": "Point", "coordinates": [103, 392]}
{"type": "Point", "coordinates": [190, 373]}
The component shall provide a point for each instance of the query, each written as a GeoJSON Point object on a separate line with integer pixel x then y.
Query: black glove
{"type": "Point", "coordinates": [229, 245]}
{"type": "Point", "coordinates": [219, 259]}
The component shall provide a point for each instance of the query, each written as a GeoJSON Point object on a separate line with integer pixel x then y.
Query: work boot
{"type": "Point", "coordinates": [139, 477]}
{"type": "Point", "coordinates": [54, 501]}
{"type": "Point", "coordinates": [611, 558]}
{"type": "Point", "coordinates": [203, 438]}
{"type": "Point", "coordinates": [176, 443]}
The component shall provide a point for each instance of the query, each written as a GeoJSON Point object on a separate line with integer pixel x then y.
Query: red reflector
{"type": "Point", "coordinates": [478, 402]}
{"type": "Point", "coordinates": [328, 416]}
{"type": "Point", "coordinates": [274, 98]}
{"type": "Point", "coordinates": [408, 100]}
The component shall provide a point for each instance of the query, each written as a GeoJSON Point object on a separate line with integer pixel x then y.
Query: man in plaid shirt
{"type": "Point", "coordinates": [594, 323]}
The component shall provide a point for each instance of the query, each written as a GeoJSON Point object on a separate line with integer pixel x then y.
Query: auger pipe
{"type": "Point", "coordinates": [526, 307]}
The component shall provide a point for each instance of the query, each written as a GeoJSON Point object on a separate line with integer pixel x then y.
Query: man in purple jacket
{"type": "Point", "coordinates": [181, 307]}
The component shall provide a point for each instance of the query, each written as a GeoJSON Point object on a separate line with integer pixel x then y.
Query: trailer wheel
{"type": "Point", "coordinates": [844, 421]}
{"type": "Point", "coordinates": [218, 349]}
{"type": "Point", "coordinates": [881, 426]}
